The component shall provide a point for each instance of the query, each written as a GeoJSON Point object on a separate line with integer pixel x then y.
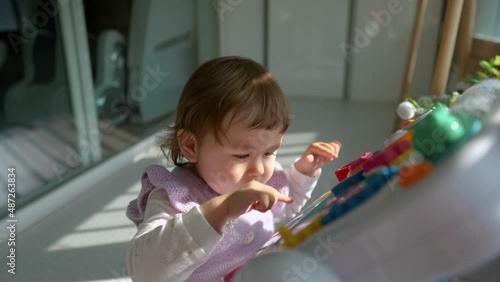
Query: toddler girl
{"type": "Point", "coordinates": [215, 209]}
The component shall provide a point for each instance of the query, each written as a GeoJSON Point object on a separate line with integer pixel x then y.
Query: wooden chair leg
{"type": "Point", "coordinates": [465, 36]}
{"type": "Point", "coordinates": [412, 55]}
{"type": "Point", "coordinates": [449, 36]}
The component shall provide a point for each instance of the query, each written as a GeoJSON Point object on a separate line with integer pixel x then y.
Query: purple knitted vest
{"type": "Point", "coordinates": [242, 237]}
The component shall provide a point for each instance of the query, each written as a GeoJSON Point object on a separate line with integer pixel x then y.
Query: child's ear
{"type": "Point", "coordinates": [188, 145]}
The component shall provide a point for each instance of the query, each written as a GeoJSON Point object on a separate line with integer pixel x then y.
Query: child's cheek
{"type": "Point", "coordinates": [236, 170]}
{"type": "Point", "coordinates": [269, 170]}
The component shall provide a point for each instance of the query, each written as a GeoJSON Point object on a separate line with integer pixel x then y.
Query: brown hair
{"type": "Point", "coordinates": [222, 86]}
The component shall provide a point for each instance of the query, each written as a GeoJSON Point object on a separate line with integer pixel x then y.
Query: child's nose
{"type": "Point", "coordinates": [256, 168]}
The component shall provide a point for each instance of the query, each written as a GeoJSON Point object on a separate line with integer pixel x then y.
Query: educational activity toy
{"type": "Point", "coordinates": [425, 207]}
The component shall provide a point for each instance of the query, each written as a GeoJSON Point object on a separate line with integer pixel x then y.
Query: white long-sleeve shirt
{"type": "Point", "coordinates": [165, 235]}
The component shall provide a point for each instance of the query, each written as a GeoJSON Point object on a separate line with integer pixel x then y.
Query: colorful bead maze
{"type": "Point", "coordinates": [425, 207]}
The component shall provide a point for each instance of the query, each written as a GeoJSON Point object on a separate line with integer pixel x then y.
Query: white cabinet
{"type": "Point", "coordinates": [333, 49]}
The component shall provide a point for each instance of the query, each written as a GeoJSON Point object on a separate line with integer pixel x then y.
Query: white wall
{"type": "Point", "coordinates": [379, 55]}
{"type": "Point", "coordinates": [303, 46]}
{"type": "Point", "coordinates": [241, 28]}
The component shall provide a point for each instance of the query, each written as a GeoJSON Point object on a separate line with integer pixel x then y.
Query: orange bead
{"type": "Point", "coordinates": [408, 122]}
{"type": "Point", "coordinates": [411, 174]}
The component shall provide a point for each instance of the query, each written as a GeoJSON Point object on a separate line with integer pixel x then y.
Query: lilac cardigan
{"type": "Point", "coordinates": [241, 237]}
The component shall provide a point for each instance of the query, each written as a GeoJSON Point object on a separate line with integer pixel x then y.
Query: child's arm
{"type": "Point", "coordinates": [300, 189]}
{"type": "Point", "coordinates": [169, 245]}
{"type": "Point", "coordinates": [303, 175]}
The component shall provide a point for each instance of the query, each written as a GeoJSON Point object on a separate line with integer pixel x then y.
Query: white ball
{"type": "Point", "coordinates": [406, 110]}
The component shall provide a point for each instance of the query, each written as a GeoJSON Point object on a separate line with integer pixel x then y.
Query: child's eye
{"type": "Point", "coordinates": [242, 156]}
{"type": "Point", "coordinates": [270, 154]}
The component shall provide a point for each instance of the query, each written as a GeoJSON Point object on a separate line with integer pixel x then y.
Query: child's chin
{"type": "Point", "coordinates": [223, 190]}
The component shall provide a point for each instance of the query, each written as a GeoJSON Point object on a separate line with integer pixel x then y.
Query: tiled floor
{"type": "Point", "coordinates": [86, 240]}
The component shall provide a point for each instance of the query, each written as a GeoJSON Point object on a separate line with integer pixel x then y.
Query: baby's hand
{"type": "Point", "coordinates": [254, 196]}
{"type": "Point", "coordinates": [316, 155]}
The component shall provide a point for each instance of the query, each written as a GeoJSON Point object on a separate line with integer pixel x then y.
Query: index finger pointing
{"type": "Point", "coordinates": [284, 198]}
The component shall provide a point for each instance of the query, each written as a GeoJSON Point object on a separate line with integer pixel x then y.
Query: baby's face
{"type": "Point", "coordinates": [244, 155]}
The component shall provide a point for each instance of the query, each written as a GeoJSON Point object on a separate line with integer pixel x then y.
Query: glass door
{"type": "Point", "coordinates": [46, 117]}
{"type": "Point", "coordinates": [83, 80]}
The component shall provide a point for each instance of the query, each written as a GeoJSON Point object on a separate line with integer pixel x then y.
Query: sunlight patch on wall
{"type": "Point", "coordinates": [107, 226]}
{"type": "Point", "coordinates": [122, 201]}
{"type": "Point", "coordinates": [107, 219]}
{"type": "Point", "coordinates": [78, 240]}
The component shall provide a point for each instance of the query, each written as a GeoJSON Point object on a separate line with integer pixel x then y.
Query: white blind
{"type": "Point", "coordinates": [488, 20]}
